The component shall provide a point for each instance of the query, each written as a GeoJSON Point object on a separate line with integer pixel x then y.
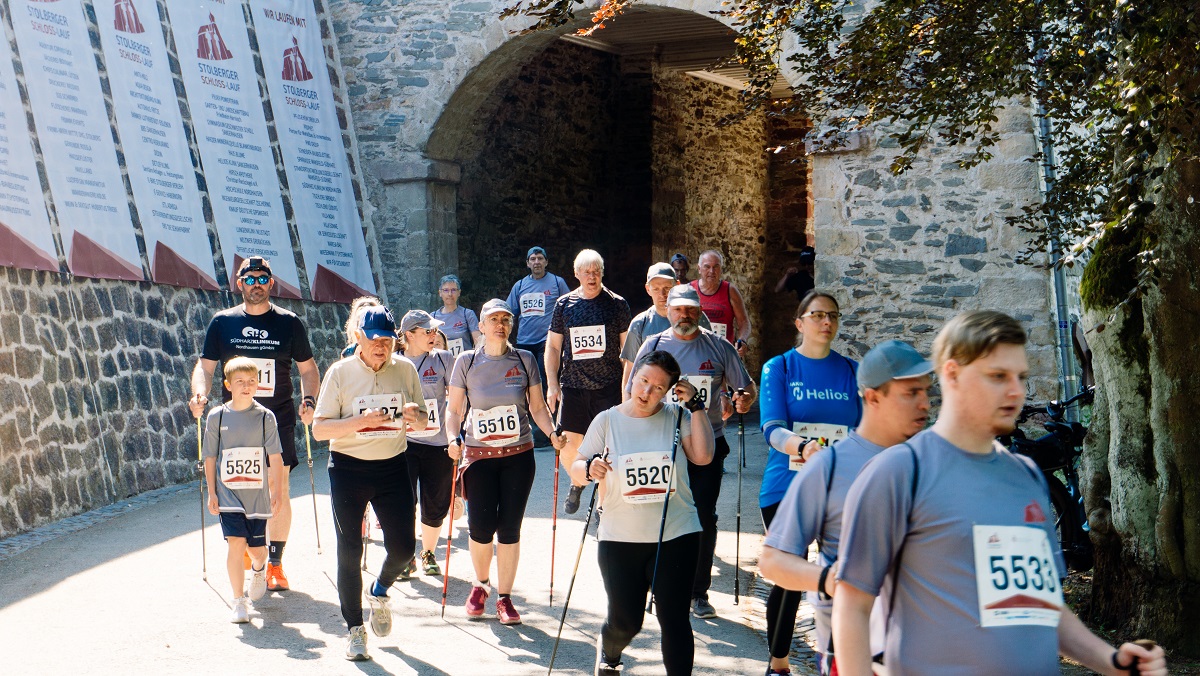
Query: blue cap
{"type": "Point", "coordinates": [891, 360]}
{"type": "Point", "coordinates": [377, 322]}
{"type": "Point", "coordinates": [533, 250]}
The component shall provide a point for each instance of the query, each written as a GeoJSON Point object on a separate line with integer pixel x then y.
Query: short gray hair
{"type": "Point", "coordinates": [588, 258]}
{"type": "Point", "coordinates": [712, 252]}
{"type": "Point", "coordinates": [451, 278]}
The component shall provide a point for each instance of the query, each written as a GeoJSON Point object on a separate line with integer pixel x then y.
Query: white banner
{"type": "Point", "coordinates": [76, 139]}
{"type": "Point", "coordinates": [331, 235]}
{"type": "Point", "coordinates": [25, 237]}
{"type": "Point", "coordinates": [231, 131]}
{"type": "Point", "coordinates": [156, 149]}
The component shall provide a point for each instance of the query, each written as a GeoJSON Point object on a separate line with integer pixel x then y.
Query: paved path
{"type": "Point", "coordinates": [119, 591]}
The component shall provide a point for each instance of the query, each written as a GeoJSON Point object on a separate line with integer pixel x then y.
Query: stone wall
{"type": "Point", "coordinates": [93, 379]}
{"type": "Point", "coordinates": [710, 184]}
{"type": "Point", "coordinates": [788, 225]}
{"type": "Point", "coordinates": [906, 253]}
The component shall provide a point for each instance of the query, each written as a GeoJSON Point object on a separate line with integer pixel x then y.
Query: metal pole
{"type": "Point", "coordinates": [312, 484]}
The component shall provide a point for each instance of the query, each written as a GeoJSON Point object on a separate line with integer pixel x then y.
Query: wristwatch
{"type": "Point", "coordinates": [694, 404]}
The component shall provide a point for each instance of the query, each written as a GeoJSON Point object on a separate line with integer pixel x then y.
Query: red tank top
{"type": "Point", "coordinates": [718, 308]}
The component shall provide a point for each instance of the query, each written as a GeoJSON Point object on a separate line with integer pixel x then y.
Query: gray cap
{"type": "Point", "coordinates": [492, 307]}
{"type": "Point", "coordinates": [891, 360]}
{"type": "Point", "coordinates": [419, 319]}
{"type": "Point", "coordinates": [377, 322]}
{"type": "Point", "coordinates": [683, 295]}
{"type": "Point", "coordinates": [663, 270]}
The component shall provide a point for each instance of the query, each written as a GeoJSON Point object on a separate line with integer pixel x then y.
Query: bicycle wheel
{"type": "Point", "coordinates": [1076, 545]}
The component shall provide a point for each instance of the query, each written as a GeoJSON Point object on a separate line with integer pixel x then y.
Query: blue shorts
{"type": "Point", "coordinates": [236, 525]}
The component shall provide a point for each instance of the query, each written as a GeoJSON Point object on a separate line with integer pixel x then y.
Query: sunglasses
{"type": "Point", "coordinates": [249, 280]}
{"type": "Point", "coordinates": [421, 330]}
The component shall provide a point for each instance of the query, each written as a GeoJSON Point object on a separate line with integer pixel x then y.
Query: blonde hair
{"type": "Point", "coordinates": [973, 335]}
{"type": "Point", "coordinates": [239, 365]}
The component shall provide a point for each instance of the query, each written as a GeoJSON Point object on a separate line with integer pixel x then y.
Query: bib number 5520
{"type": "Point", "coordinates": [647, 476]}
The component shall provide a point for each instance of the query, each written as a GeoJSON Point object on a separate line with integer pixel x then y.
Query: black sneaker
{"type": "Point", "coordinates": [409, 569]}
{"type": "Point", "coordinates": [573, 497]}
{"type": "Point", "coordinates": [606, 666]}
{"type": "Point", "coordinates": [702, 609]}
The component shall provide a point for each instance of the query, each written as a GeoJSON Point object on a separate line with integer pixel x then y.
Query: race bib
{"type": "Point", "coordinates": [455, 346]}
{"type": "Point", "coordinates": [434, 426]}
{"type": "Point", "coordinates": [242, 467]}
{"type": "Point", "coordinates": [497, 426]}
{"type": "Point", "coordinates": [533, 304]}
{"type": "Point", "coordinates": [645, 477]}
{"type": "Point", "coordinates": [266, 377]}
{"type": "Point", "coordinates": [1017, 577]}
{"type": "Point", "coordinates": [825, 432]}
{"type": "Point", "coordinates": [720, 329]}
{"type": "Point", "coordinates": [587, 342]}
{"type": "Point", "coordinates": [703, 385]}
{"type": "Point", "coordinates": [394, 403]}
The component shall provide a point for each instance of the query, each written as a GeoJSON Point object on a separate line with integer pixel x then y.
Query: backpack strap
{"type": "Point", "coordinates": [900, 552]}
{"type": "Point", "coordinates": [828, 486]}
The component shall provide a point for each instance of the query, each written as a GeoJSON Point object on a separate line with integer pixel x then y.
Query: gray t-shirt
{"type": "Point", "coordinates": [227, 435]}
{"type": "Point", "coordinates": [648, 323]}
{"type": "Point", "coordinates": [433, 368]}
{"type": "Point", "coordinates": [533, 300]}
{"type": "Point", "coordinates": [492, 383]}
{"type": "Point", "coordinates": [809, 512]}
{"type": "Point", "coordinates": [638, 449]}
{"type": "Point", "coordinates": [709, 363]}
{"type": "Point", "coordinates": [458, 327]}
{"type": "Point", "coordinates": [997, 504]}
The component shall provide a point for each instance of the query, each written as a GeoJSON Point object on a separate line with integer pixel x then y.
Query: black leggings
{"type": "Point", "coordinates": [432, 469]}
{"type": "Point", "coordinates": [705, 481]}
{"type": "Point", "coordinates": [782, 605]}
{"type": "Point", "coordinates": [352, 484]}
{"type": "Point", "coordinates": [497, 490]}
{"type": "Point", "coordinates": [627, 568]}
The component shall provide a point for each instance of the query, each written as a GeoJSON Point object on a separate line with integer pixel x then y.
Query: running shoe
{"type": "Point", "coordinates": [702, 609]}
{"type": "Point", "coordinates": [258, 584]}
{"type": "Point", "coordinates": [506, 612]}
{"type": "Point", "coordinates": [606, 666]}
{"type": "Point", "coordinates": [356, 647]}
{"type": "Point", "coordinates": [779, 672]}
{"type": "Point", "coordinates": [429, 563]}
{"type": "Point", "coordinates": [409, 569]}
{"type": "Point", "coordinates": [241, 610]}
{"type": "Point", "coordinates": [380, 612]}
{"type": "Point", "coordinates": [276, 580]}
{"type": "Point", "coordinates": [573, 497]}
{"type": "Point", "coordinates": [476, 601]}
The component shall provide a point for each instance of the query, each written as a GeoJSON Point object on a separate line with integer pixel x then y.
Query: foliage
{"type": "Point", "coordinates": [1116, 81]}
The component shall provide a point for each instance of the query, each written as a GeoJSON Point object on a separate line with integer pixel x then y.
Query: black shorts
{"type": "Point", "coordinates": [430, 470]}
{"type": "Point", "coordinates": [236, 525]}
{"type": "Point", "coordinates": [580, 407]}
{"type": "Point", "coordinates": [285, 417]}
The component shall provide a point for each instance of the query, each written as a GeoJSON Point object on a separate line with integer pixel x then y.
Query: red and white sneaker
{"type": "Point", "coordinates": [506, 612]}
{"type": "Point", "coordinates": [476, 601]}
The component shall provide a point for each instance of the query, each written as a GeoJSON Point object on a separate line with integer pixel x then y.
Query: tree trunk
{"type": "Point", "coordinates": [1141, 465]}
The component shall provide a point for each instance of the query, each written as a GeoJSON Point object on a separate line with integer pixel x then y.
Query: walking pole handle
{"type": "Point", "coordinates": [1133, 667]}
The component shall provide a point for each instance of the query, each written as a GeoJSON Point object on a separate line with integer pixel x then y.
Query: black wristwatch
{"type": "Point", "coordinates": [587, 468]}
{"type": "Point", "coordinates": [694, 404]}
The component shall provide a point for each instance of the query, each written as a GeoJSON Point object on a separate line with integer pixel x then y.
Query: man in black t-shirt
{"type": "Point", "coordinates": [273, 338]}
{"type": "Point", "coordinates": [587, 332]}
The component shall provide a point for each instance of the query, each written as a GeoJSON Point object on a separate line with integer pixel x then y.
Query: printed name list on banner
{"type": "Point", "coordinates": [156, 149]}
{"type": "Point", "coordinates": [76, 140]}
{"type": "Point", "coordinates": [331, 236]}
{"type": "Point", "coordinates": [25, 237]}
{"type": "Point", "coordinates": [231, 131]}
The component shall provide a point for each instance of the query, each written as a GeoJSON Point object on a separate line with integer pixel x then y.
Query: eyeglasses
{"type": "Point", "coordinates": [250, 280]}
{"type": "Point", "coordinates": [820, 315]}
{"type": "Point", "coordinates": [425, 331]}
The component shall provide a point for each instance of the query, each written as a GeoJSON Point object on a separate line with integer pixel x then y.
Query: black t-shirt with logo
{"type": "Point", "coordinates": [275, 339]}
{"type": "Point", "coordinates": [591, 329]}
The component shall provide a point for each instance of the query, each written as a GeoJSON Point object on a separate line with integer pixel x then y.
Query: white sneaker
{"type": "Point", "coordinates": [241, 610]}
{"type": "Point", "coordinates": [258, 584]}
{"type": "Point", "coordinates": [356, 647]}
{"type": "Point", "coordinates": [380, 617]}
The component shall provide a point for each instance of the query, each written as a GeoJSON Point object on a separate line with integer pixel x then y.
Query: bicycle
{"type": "Point", "coordinates": [1057, 454]}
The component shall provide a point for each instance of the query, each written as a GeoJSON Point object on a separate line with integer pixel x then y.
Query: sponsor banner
{"type": "Point", "coordinates": [25, 237]}
{"type": "Point", "coordinates": [156, 148]}
{"type": "Point", "coordinates": [231, 132]}
{"type": "Point", "coordinates": [331, 235]}
{"type": "Point", "coordinates": [76, 139]}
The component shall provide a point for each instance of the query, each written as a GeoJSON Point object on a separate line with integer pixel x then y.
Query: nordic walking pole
{"type": "Point", "coordinates": [200, 466]}
{"type": "Point", "coordinates": [737, 565]}
{"type": "Point", "coordinates": [312, 483]}
{"type": "Point", "coordinates": [578, 555]}
{"type": "Point", "coordinates": [554, 514]}
{"type": "Point", "coordinates": [449, 536]}
{"type": "Point", "coordinates": [662, 526]}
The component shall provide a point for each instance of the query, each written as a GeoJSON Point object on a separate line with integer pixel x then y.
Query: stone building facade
{"type": "Point", "coordinates": [470, 143]}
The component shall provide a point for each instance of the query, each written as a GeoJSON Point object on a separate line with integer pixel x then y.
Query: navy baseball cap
{"type": "Point", "coordinates": [680, 257]}
{"type": "Point", "coordinates": [377, 322]}
{"type": "Point", "coordinates": [535, 250]}
{"type": "Point", "coordinates": [891, 360]}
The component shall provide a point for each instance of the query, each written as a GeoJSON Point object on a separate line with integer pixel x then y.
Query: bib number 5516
{"type": "Point", "coordinates": [506, 423]}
